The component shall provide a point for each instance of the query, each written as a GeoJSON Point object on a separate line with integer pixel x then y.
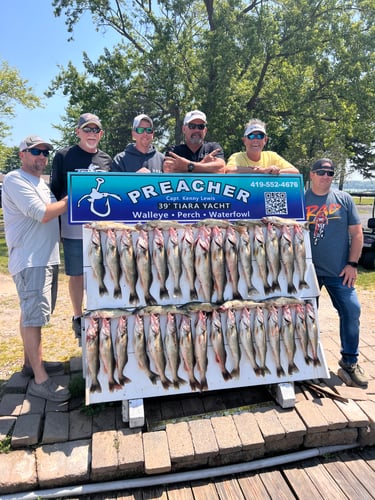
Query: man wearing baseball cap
{"type": "Point", "coordinates": [140, 156]}
{"type": "Point", "coordinates": [336, 244]}
{"type": "Point", "coordinates": [195, 155]}
{"type": "Point", "coordinates": [254, 160]}
{"type": "Point", "coordinates": [85, 155]}
{"type": "Point", "coordinates": [32, 235]}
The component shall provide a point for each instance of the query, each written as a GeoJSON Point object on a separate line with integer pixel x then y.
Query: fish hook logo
{"type": "Point", "coordinates": [97, 195]}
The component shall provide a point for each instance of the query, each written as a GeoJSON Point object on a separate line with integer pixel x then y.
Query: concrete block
{"type": "Point", "coordinates": [312, 417]}
{"type": "Point", "coordinates": [18, 472]}
{"type": "Point", "coordinates": [80, 425]}
{"type": "Point", "coordinates": [368, 407]}
{"type": "Point", "coordinates": [105, 420]}
{"type": "Point", "coordinates": [11, 404]}
{"type": "Point", "coordinates": [204, 441]}
{"type": "Point", "coordinates": [248, 431]}
{"type": "Point", "coordinates": [269, 424]}
{"type": "Point", "coordinates": [63, 464]}
{"type": "Point", "coordinates": [157, 459]}
{"type": "Point", "coordinates": [104, 463]}
{"type": "Point", "coordinates": [180, 444]}
{"type": "Point", "coordinates": [130, 451]}
{"type": "Point", "coordinates": [338, 436]}
{"type": "Point", "coordinates": [6, 424]}
{"type": "Point", "coordinates": [32, 404]}
{"type": "Point", "coordinates": [291, 422]}
{"type": "Point", "coordinates": [226, 435]}
{"type": "Point", "coordinates": [16, 384]}
{"type": "Point", "coordinates": [27, 430]}
{"type": "Point", "coordinates": [352, 411]}
{"type": "Point", "coordinates": [56, 428]}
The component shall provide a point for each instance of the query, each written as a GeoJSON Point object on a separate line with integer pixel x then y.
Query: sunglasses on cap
{"type": "Point", "coordinates": [141, 130]}
{"type": "Point", "coordinates": [93, 130]}
{"type": "Point", "coordinates": [324, 172]}
{"type": "Point", "coordinates": [37, 152]}
{"type": "Point", "coordinates": [199, 126]}
{"type": "Point", "coordinates": [258, 135]}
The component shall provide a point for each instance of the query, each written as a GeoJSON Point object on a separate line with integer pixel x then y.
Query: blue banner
{"type": "Point", "coordinates": [134, 198]}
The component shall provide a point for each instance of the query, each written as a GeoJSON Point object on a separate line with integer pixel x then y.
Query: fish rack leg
{"type": "Point", "coordinates": [133, 412]}
{"type": "Point", "coordinates": [284, 394]}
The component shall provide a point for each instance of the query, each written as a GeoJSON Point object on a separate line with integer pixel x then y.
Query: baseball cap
{"type": "Point", "coordinates": [195, 115]}
{"type": "Point", "coordinates": [137, 120]}
{"type": "Point", "coordinates": [254, 127]}
{"type": "Point", "coordinates": [87, 118]}
{"type": "Point", "coordinates": [34, 140]}
{"type": "Point", "coordinates": [323, 163]}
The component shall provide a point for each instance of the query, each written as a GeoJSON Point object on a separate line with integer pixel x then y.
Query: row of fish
{"type": "Point", "coordinates": [206, 256]}
{"type": "Point", "coordinates": [236, 329]}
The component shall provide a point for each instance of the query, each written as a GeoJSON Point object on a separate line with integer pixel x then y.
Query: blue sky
{"type": "Point", "coordinates": [34, 41]}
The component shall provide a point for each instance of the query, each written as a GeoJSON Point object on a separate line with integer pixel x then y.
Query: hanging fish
{"type": "Point", "coordinates": [121, 349]}
{"type": "Point", "coordinates": [140, 348]}
{"type": "Point", "coordinates": [261, 257]}
{"type": "Point", "coordinates": [128, 264]}
{"type": "Point", "coordinates": [156, 351]}
{"type": "Point", "coordinates": [273, 255]}
{"type": "Point", "coordinates": [218, 262]}
{"type": "Point", "coordinates": [107, 357]}
{"type": "Point", "coordinates": [187, 259]}
{"type": "Point", "coordinates": [92, 354]}
{"type": "Point", "coordinates": [200, 348]}
{"type": "Point", "coordinates": [300, 255]}
{"type": "Point", "coordinates": [171, 349]}
{"type": "Point", "coordinates": [217, 340]}
{"type": "Point", "coordinates": [231, 334]}
{"type": "Point", "coordinates": [203, 262]}
{"type": "Point", "coordinates": [96, 260]}
{"type": "Point", "coordinates": [143, 260]}
{"type": "Point", "coordinates": [273, 334]}
{"type": "Point", "coordinates": [187, 351]}
{"type": "Point", "coordinates": [231, 260]}
{"type": "Point", "coordinates": [174, 261]}
{"type": "Point", "coordinates": [159, 258]}
{"type": "Point", "coordinates": [259, 336]}
{"type": "Point", "coordinates": [287, 333]}
{"type": "Point", "coordinates": [312, 332]}
{"type": "Point", "coordinates": [244, 253]}
{"type": "Point", "coordinates": [247, 340]}
{"type": "Point", "coordinates": [112, 258]}
{"type": "Point", "coordinates": [287, 257]}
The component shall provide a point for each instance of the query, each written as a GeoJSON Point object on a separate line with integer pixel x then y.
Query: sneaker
{"type": "Point", "coordinates": [51, 367]}
{"type": "Point", "coordinates": [355, 372]}
{"type": "Point", "coordinates": [77, 329]}
{"type": "Point", "coordinates": [49, 390]}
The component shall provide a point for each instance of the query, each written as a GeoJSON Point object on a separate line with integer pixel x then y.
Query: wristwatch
{"type": "Point", "coordinates": [351, 263]}
{"type": "Point", "coordinates": [191, 167]}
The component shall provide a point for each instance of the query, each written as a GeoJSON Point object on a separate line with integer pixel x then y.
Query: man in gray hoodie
{"type": "Point", "coordinates": [140, 156]}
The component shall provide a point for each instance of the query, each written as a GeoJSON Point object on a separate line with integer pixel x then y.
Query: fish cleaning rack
{"type": "Point", "coordinates": [154, 327]}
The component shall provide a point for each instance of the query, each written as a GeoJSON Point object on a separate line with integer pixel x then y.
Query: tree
{"type": "Point", "coordinates": [13, 90]}
{"type": "Point", "coordinates": [306, 68]}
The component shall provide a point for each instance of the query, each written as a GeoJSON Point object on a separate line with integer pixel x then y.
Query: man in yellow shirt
{"type": "Point", "coordinates": [254, 160]}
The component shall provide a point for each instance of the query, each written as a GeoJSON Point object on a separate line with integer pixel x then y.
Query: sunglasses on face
{"type": "Point", "coordinates": [141, 130]}
{"type": "Point", "coordinates": [93, 130]}
{"type": "Point", "coordinates": [324, 172]}
{"type": "Point", "coordinates": [258, 135]}
{"type": "Point", "coordinates": [199, 126]}
{"type": "Point", "coordinates": [37, 152]}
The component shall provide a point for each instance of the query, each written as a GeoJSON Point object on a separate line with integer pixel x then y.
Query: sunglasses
{"type": "Point", "coordinates": [259, 136]}
{"type": "Point", "coordinates": [199, 126]}
{"type": "Point", "coordinates": [93, 130]}
{"type": "Point", "coordinates": [141, 130]}
{"type": "Point", "coordinates": [37, 152]}
{"type": "Point", "coordinates": [324, 172]}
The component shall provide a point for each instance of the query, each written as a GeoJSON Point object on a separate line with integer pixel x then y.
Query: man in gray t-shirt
{"type": "Point", "coordinates": [32, 234]}
{"type": "Point", "coordinates": [336, 244]}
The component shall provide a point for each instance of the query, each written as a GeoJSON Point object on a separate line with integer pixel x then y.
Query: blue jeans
{"type": "Point", "coordinates": [345, 301]}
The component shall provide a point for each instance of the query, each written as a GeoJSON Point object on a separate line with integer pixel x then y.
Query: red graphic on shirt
{"type": "Point", "coordinates": [319, 217]}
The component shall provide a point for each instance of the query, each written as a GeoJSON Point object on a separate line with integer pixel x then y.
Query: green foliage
{"type": "Point", "coordinates": [306, 68]}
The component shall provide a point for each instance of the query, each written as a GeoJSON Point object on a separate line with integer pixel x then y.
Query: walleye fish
{"type": "Point", "coordinates": [112, 258]}
{"type": "Point", "coordinates": [143, 260]}
{"type": "Point", "coordinates": [259, 336]}
{"type": "Point", "coordinates": [301, 331]}
{"type": "Point", "coordinates": [140, 349]}
{"type": "Point", "coordinates": [261, 257]}
{"type": "Point", "coordinates": [128, 264]}
{"type": "Point", "coordinates": [218, 262]}
{"type": "Point", "coordinates": [273, 255]}
{"type": "Point", "coordinates": [217, 340]}
{"type": "Point", "coordinates": [187, 351]}
{"type": "Point", "coordinates": [174, 260]}
{"type": "Point", "coordinates": [92, 354]}
{"type": "Point", "coordinates": [273, 334]}
{"type": "Point", "coordinates": [202, 262]}
{"type": "Point", "coordinates": [96, 260]}
{"type": "Point", "coordinates": [200, 348]}
{"type": "Point", "coordinates": [287, 333]}
{"type": "Point", "coordinates": [231, 260]}
{"type": "Point", "coordinates": [238, 304]}
{"type": "Point", "coordinates": [312, 333]}
{"type": "Point", "coordinates": [246, 339]}
{"type": "Point", "coordinates": [244, 253]}
{"type": "Point", "coordinates": [300, 255]}
{"type": "Point", "coordinates": [187, 259]}
{"type": "Point", "coordinates": [121, 348]}
{"type": "Point", "coordinates": [107, 357]}
{"type": "Point", "coordinates": [231, 334]}
{"type": "Point", "coordinates": [159, 257]}
{"type": "Point", "coordinates": [287, 257]}
{"type": "Point", "coordinates": [171, 350]}
{"type": "Point", "coordinates": [156, 351]}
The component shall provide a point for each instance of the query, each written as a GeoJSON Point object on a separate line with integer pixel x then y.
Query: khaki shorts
{"type": "Point", "coordinates": [37, 292]}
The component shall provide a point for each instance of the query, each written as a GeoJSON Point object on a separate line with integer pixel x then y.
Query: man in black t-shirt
{"type": "Point", "coordinates": [195, 155]}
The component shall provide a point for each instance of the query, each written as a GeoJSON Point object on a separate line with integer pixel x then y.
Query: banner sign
{"type": "Point", "coordinates": [134, 198]}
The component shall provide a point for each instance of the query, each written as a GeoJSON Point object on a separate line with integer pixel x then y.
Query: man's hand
{"type": "Point", "coordinates": [175, 163]}
{"type": "Point", "coordinates": [349, 275]}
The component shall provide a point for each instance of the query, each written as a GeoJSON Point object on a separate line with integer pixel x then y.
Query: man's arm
{"type": "Point", "coordinates": [349, 273]}
{"type": "Point", "coordinates": [209, 165]}
{"type": "Point", "coordinates": [55, 209]}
